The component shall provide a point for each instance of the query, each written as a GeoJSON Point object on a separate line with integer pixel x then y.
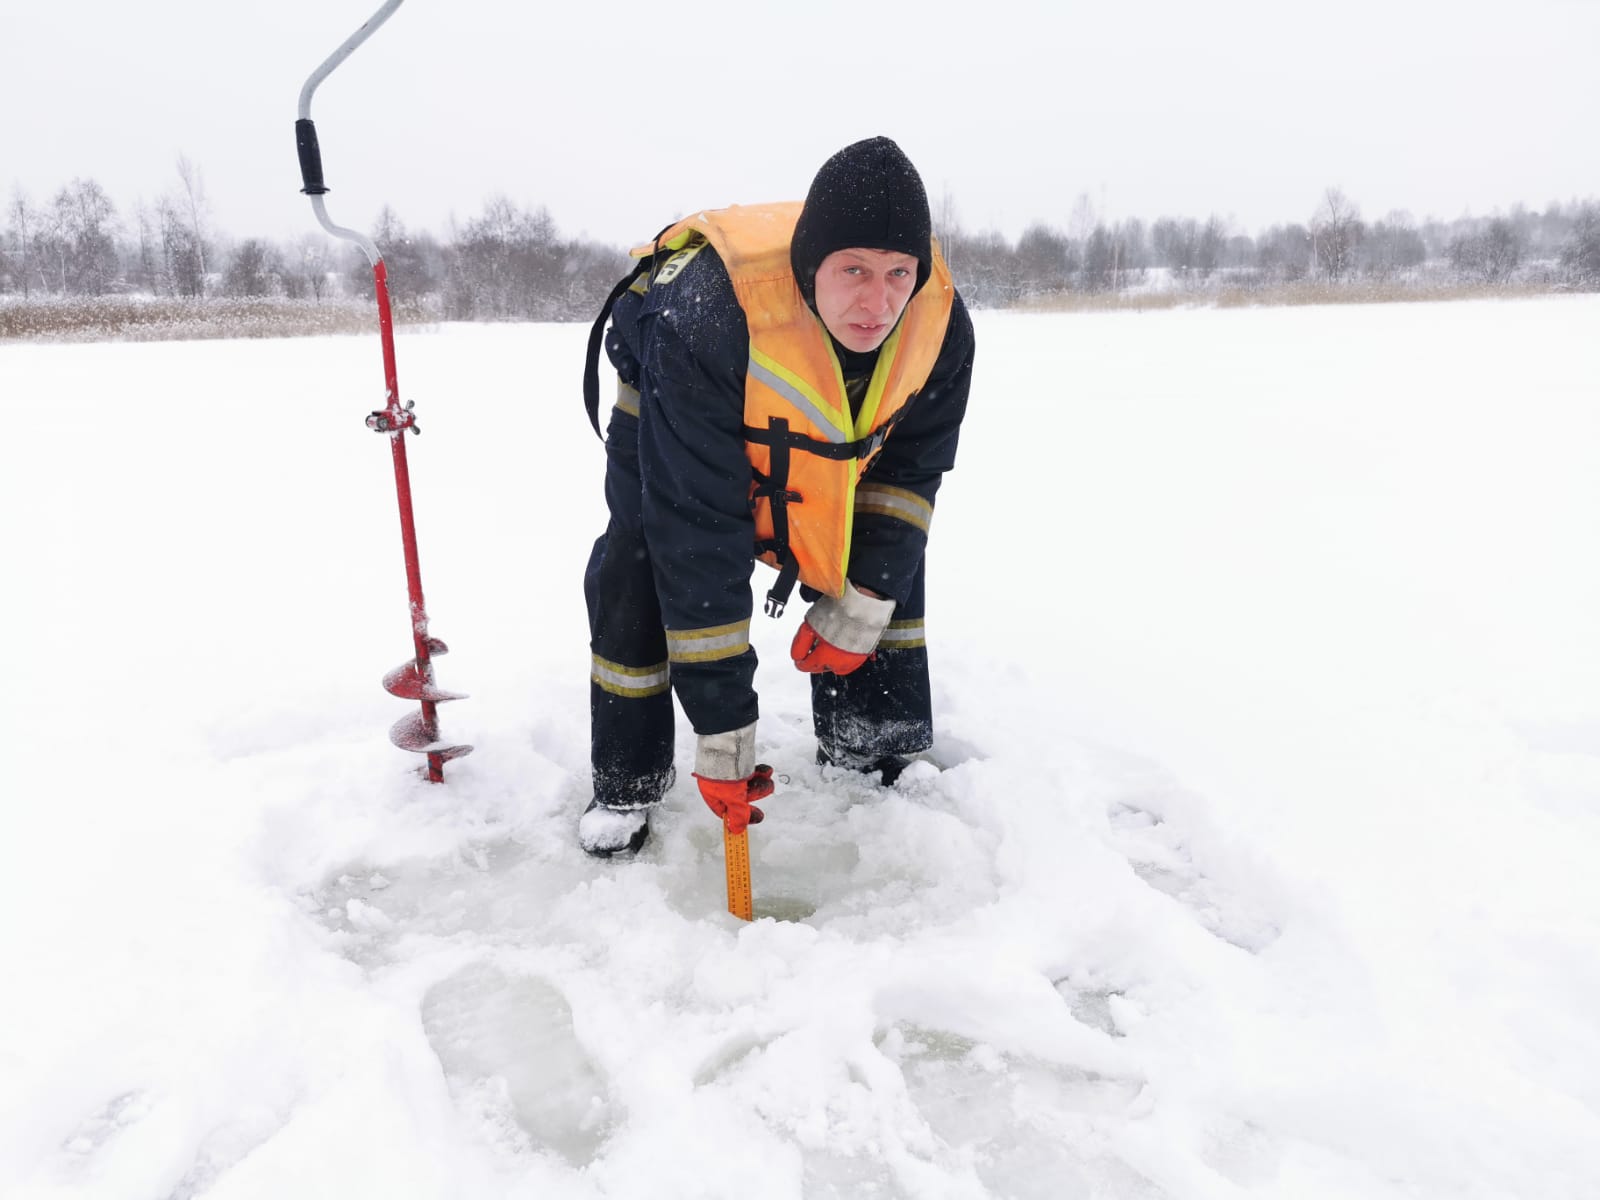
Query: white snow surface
{"type": "Point", "coordinates": [1256, 855]}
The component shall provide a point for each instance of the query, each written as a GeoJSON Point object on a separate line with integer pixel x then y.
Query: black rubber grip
{"type": "Point", "coordinates": [305, 141]}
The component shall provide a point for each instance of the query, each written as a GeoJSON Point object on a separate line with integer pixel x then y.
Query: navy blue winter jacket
{"type": "Point", "coordinates": [685, 348]}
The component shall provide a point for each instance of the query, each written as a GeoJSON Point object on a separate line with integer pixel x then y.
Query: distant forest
{"type": "Point", "coordinates": [512, 263]}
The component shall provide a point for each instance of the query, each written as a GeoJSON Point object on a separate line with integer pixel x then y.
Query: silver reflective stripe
{"type": "Point", "coordinates": [797, 398]}
{"type": "Point", "coordinates": [632, 682]}
{"type": "Point", "coordinates": [708, 645]}
{"type": "Point", "coordinates": [903, 635]}
{"type": "Point", "coordinates": [894, 502]}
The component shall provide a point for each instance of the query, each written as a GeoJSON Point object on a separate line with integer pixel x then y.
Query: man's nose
{"type": "Point", "coordinates": [875, 295]}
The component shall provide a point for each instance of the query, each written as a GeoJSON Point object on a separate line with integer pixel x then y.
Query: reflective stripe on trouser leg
{"type": "Point", "coordinates": [885, 706]}
{"type": "Point", "coordinates": [630, 702]}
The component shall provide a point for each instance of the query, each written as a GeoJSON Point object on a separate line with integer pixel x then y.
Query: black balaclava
{"type": "Point", "coordinates": [868, 196]}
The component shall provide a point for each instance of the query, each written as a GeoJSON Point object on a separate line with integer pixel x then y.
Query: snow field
{"type": "Point", "coordinates": [1258, 863]}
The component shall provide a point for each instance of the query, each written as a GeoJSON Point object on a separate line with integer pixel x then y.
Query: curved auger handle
{"type": "Point", "coordinates": [305, 133]}
{"type": "Point", "coordinates": [412, 680]}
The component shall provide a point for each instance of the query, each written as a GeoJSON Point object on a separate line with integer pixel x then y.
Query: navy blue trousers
{"type": "Point", "coordinates": [883, 707]}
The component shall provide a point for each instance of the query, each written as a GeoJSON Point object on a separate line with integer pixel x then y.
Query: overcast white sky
{"type": "Point", "coordinates": [619, 115]}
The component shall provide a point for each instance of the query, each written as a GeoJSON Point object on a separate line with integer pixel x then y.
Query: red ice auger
{"type": "Point", "coordinates": [412, 680]}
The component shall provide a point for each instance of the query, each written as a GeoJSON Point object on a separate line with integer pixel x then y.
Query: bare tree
{"type": "Point", "coordinates": [146, 275]}
{"type": "Point", "coordinates": [1045, 260]}
{"type": "Point", "coordinates": [1135, 255]}
{"type": "Point", "coordinates": [1336, 232]}
{"type": "Point", "coordinates": [1392, 246]}
{"type": "Point", "coordinates": [182, 255]}
{"type": "Point", "coordinates": [83, 222]}
{"type": "Point", "coordinates": [1580, 256]}
{"type": "Point", "coordinates": [947, 227]}
{"type": "Point", "coordinates": [1083, 220]}
{"type": "Point", "coordinates": [55, 239]}
{"type": "Point", "coordinates": [1490, 256]}
{"type": "Point", "coordinates": [1502, 250]}
{"type": "Point", "coordinates": [509, 264]}
{"type": "Point", "coordinates": [1189, 250]}
{"type": "Point", "coordinates": [1283, 253]}
{"type": "Point", "coordinates": [1212, 246]}
{"type": "Point", "coordinates": [23, 228]}
{"type": "Point", "coordinates": [313, 263]}
{"type": "Point", "coordinates": [412, 263]}
{"type": "Point", "coordinates": [252, 271]}
{"type": "Point", "coordinates": [1100, 260]}
{"type": "Point", "coordinates": [195, 206]}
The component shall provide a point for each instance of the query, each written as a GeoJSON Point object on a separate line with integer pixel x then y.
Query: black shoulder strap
{"type": "Point", "coordinates": [591, 364]}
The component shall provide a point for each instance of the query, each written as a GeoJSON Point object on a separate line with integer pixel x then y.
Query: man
{"type": "Point", "coordinates": [792, 381]}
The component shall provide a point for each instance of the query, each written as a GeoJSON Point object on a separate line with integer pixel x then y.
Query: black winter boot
{"type": "Point", "coordinates": [886, 766]}
{"type": "Point", "coordinates": [604, 832]}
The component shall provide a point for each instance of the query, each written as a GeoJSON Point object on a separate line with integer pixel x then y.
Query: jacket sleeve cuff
{"type": "Point", "coordinates": [730, 755]}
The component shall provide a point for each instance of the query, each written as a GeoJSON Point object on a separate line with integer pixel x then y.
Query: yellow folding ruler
{"type": "Point", "coordinates": [736, 852]}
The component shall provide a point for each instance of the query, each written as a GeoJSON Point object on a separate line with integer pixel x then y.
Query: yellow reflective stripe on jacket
{"type": "Point", "coordinates": [895, 502]}
{"type": "Point", "coordinates": [631, 682]}
{"type": "Point", "coordinates": [708, 645]}
{"type": "Point", "coordinates": [904, 635]}
{"type": "Point", "coordinates": [627, 399]}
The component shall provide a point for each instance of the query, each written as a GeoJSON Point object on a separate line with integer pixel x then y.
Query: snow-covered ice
{"type": "Point", "coordinates": [1255, 857]}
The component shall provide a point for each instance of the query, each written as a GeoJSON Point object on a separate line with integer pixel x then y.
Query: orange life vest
{"type": "Point", "coordinates": [806, 450]}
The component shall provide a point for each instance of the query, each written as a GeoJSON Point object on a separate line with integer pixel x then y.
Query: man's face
{"type": "Point", "coordinates": [861, 293]}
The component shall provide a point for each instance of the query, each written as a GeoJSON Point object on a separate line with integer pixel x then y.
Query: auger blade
{"type": "Point", "coordinates": [416, 733]}
{"type": "Point", "coordinates": [408, 682]}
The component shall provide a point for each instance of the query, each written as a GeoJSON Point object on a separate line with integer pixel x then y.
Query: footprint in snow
{"type": "Point", "coordinates": [513, 1059]}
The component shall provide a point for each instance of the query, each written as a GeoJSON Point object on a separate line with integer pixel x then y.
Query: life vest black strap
{"type": "Point", "coordinates": [860, 448]}
{"type": "Point", "coordinates": [780, 440]}
{"type": "Point", "coordinates": [775, 487]}
{"type": "Point", "coordinates": [591, 364]}
{"type": "Point", "coordinates": [778, 594]}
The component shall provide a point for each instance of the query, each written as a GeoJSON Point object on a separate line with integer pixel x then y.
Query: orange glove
{"type": "Point", "coordinates": [840, 633]}
{"type": "Point", "coordinates": [732, 799]}
{"type": "Point", "coordinates": [813, 653]}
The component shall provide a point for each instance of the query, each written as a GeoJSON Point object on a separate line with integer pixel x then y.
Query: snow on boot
{"type": "Point", "coordinates": [604, 831]}
{"type": "Point", "coordinates": [886, 766]}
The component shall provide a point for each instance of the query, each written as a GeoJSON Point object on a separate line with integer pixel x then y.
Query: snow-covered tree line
{"type": "Point", "coordinates": [1556, 248]}
{"type": "Point", "coordinates": [507, 263]}
{"type": "Point", "coordinates": [512, 263]}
